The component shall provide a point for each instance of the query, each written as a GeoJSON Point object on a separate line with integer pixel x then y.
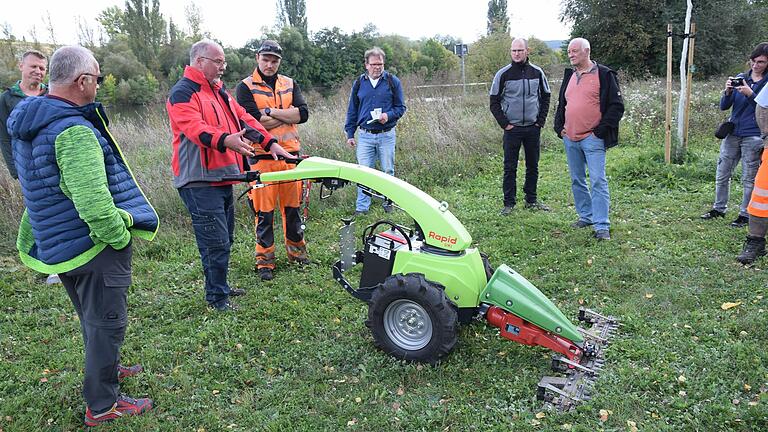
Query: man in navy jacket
{"type": "Point", "coordinates": [375, 105]}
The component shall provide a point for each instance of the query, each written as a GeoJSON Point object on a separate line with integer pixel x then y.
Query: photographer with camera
{"type": "Point", "coordinates": [743, 142]}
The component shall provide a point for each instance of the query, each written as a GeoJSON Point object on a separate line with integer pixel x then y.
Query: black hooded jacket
{"type": "Point", "coordinates": [611, 106]}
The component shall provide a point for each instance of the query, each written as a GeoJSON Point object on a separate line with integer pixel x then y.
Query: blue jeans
{"type": "Point", "coordinates": [733, 148]}
{"type": "Point", "coordinates": [372, 147]}
{"type": "Point", "coordinates": [213, 218]}
{"type": "Point", "coordinates": [592, 204]}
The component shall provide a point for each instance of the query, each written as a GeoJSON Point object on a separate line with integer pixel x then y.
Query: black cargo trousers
{"type": "Point", "coordinates": [99, 290]}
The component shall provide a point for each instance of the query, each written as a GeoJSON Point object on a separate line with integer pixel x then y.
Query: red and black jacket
{"type": "Point", "coordinates": [202, 116]}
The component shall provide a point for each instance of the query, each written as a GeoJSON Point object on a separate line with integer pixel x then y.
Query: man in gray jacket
{"type": "Point", "coordinates": [520, 101]}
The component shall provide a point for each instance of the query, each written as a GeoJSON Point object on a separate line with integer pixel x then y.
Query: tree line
{"type": "Point", "coordinates": [632, 35]}
{"type": "Point", "coordinates": [142, 53]}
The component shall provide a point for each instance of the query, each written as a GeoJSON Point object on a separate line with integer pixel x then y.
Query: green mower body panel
{"type": "Point", "coordinates": [441, 228]}
{"type": "Point", "coordinates": [463, 275]}
{"type": "Point", "coordinates": [512, 292]}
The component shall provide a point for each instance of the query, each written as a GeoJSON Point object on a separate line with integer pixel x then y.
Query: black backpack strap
{"type": "Point", "coordinates": [356, 87]}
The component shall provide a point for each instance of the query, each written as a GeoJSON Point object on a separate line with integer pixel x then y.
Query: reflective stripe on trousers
{"type": "Point", "coordinates": [288, 196]}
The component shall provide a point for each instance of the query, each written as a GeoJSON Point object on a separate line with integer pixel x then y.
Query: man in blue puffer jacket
{"type": "Point", "coordinates": [83, 206]}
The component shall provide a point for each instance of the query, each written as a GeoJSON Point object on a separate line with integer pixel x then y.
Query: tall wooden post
{"type": "Point", "coordinates": [691, 40]}
{"type": "Point", "coordinates": [668, 120]}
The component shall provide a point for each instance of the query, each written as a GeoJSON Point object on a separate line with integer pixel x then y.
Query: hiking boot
{"type": "Point", "coordinates": [236, 292]}
{"type": "Point", "coordinates": [581, 224]}
{"type": "Point", "coordinates": [740, 222]}
{"type": "Point", "coordinates": [712, 214]}
{"type": "Point", "coordinates": [602, 235]}
{"type": "Point", "coordinates": [266, 274]}
{"type": "Point", "coordinates": [507, 210]}
{"type": "Point", "coordinates": [224, 306]}
{"type": "Point", "coordinates": [536, 205]}
{"type": "Point", "coordinates": [754, 247]}
{"type": "Point", "coordinates": [303, 261]}
{"type": "Point", "coordinates": [125, 406]}
{"type": "Point", "coordinates": [361, 212]}
{"type": "Point", "coordinates": [128, 371]}
{"type": "Point", "coordinates": [387, 208]}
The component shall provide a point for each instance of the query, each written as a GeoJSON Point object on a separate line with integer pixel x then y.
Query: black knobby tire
{"type": "Point", "coordinates": [412, 319]}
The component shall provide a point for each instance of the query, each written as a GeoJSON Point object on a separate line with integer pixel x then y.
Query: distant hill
{"type": "Point", "coordinates": [554, 45]}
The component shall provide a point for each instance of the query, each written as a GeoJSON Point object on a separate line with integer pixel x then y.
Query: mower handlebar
{"type": "Point", "coordinates": [245, 177]}
{"type": "Point", "coordinates": [251, 176]}
{"type": "Point", "coordinates": [294, 160]}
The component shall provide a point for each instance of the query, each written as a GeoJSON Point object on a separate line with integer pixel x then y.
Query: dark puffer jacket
{"type": "Point", "coordinates": [79, 192]}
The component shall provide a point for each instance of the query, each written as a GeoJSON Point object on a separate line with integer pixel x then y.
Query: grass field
{"type": "Point", "coordinates": [298, 357]}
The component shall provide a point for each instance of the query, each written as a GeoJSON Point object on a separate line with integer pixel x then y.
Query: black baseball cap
{"type": "Point", "coordinates": [271, 47]}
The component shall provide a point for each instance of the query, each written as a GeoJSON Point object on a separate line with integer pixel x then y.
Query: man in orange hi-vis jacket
{"type": "Point", "coordinates": [754, 245]}
{"type": "Point", "coordinates": [276, 101]}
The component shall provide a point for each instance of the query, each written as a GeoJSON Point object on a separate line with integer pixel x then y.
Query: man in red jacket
{"type": "Point", "coordinates": [212, 134]}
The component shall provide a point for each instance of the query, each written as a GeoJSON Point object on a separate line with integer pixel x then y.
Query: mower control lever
{"type": "Point", "coordinates": [245, 177]}
{"type": "Point", "coordinates": [294, 160]}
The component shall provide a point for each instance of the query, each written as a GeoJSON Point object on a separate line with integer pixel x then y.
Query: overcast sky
{"type": "Point", "coordinates": [235, 22]}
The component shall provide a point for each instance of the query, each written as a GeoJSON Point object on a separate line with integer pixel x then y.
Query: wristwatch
{"type": "Point", "coordinates": [268, 111]}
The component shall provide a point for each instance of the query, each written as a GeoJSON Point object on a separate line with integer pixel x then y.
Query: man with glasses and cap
{"type": "Point", "coordinates": [375, 105]}
{"type": "Point", "coordinates": [276, 101]}
{"type": "Point", "coordinates": [212, 135]}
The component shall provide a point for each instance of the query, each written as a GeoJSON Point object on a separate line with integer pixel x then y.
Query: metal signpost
{"type": "Point", "coordinates": [461, 51]}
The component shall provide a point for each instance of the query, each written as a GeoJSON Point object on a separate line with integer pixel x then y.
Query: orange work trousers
{"type": "Point", "coordinates": [288, 196]}
{"type": "Point", "coordinates": [758, 204]}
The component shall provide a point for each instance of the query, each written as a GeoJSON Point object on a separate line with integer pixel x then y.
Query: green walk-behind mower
{"type": "Point", "coordinates": [421, 282]}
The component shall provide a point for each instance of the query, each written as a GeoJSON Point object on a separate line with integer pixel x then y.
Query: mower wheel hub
{"type": "Point", "coordinates": [408, 324]}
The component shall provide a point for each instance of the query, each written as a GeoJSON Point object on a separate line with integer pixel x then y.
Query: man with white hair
{"type": "Point", "coordinates": [83, 207]}
{"type": "Point", "coordinates": [212, 134]}
{"type": "Point", "coordinates": [589, 109]}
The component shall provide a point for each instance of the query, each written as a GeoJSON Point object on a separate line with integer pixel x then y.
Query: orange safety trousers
{"type": "Point", "coordinates": [758, 204]}
{"type": "Point", "coordinates": [288, 196]}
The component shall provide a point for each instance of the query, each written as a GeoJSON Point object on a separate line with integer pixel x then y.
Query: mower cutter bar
{"type": "Point", "coordinates": [563, 393]}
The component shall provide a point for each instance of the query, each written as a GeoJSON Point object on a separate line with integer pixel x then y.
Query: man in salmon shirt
{"type": "Point", "coordinates": [589, 109]}
{"type": "Point", "coordinates": [212, 134]}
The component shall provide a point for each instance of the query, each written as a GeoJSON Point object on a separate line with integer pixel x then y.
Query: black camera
{"type": "Point", "coordinates": [736, 81]}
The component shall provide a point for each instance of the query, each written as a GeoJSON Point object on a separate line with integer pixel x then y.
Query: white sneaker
{"type": "Point", "coordinates": [53, 279]}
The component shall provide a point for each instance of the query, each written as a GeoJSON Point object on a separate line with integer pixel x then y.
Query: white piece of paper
{"type": "Point", "coordinates": [375, 115]}
{"type": "Point", "coordinates": [762, 98]}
